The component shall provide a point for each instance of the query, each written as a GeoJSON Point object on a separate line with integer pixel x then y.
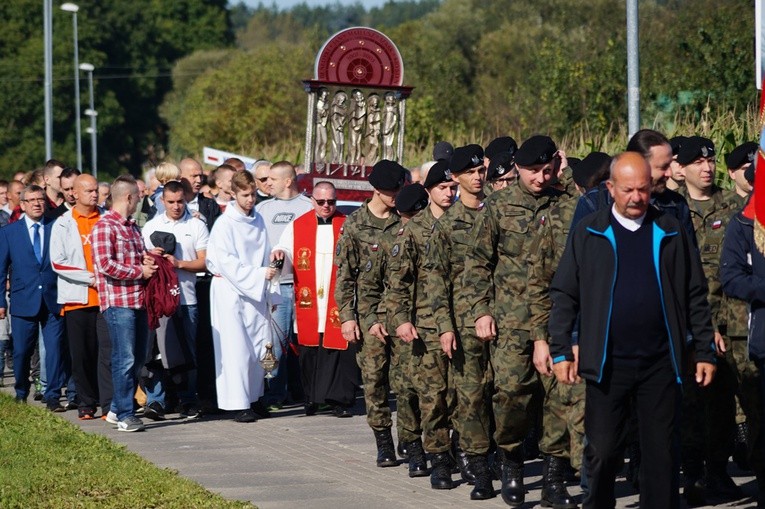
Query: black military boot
{"type": "Point", "coordinates": [462, 460]}
{"type": "Point", "coordinates": [513, 491]}
{"type": "Point", "coordinates": [741, 450]}
{"type": "Point", "coordinates": [386, 455]}
{"type": "Point", "coordinates": [483, 488]}
{"type": "Point", "coordinates": [554, 492]}
{"type": "Point", "coordinates": [418, 465]}
{"type": "Point", "coordinates": [440, 471]}
{"type": "Point", "coordinates": [403, 451]}
{"type": "Point", "coordinates": [719, 483]}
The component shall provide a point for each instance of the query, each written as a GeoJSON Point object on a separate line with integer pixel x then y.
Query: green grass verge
{"type": "Point", "coordinates": [47, 462]}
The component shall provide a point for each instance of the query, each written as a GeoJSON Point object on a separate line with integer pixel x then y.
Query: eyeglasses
{"type": "Point", "coordinates": [35, 200]}
{"type": "Point", "coordinates": [321, 203]}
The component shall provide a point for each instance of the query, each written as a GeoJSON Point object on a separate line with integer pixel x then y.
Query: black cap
{"type": "Point", "coordinates": [594, 163]}
{"type": "Point", "coordinates": [573, 161]}
{"type": "Point", "coordinates": [466, 157]}
{"type": "Point", "coordinates": [676, 142]}
{"type": "Point", "coordinates": [387, 175]}
{"type": "Point", "coordinates": [536, 150]}
{"type": "Point", "coordinates": [693, 148]}
{"type": "Point", "coordinates": [438, 174]}
{"type": "Point", "coordinates": [499, 145]}
{"type": "Point", "coordinates": [739, 156]}
{"type": "Point", "coordinates": [749, 173]}
{"type": "Point", "coordinates": [500, 166]}
{"type": "Point", "coordinates": [411, 199]}
{"type": "Point", "coordinates": [443, 150]}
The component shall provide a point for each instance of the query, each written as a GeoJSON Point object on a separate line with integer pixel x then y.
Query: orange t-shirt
{"type": "Point", "coordinates": [85, 226]}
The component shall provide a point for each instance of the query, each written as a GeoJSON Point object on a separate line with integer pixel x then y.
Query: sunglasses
{"type": "Point", "coordinates": [264, 179]}
{"type": "Point", "coordinates": [321, 203]}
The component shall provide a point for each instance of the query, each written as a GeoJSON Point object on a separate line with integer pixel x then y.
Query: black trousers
{"type": "Point", "coordinates": [607, 409]}
{"type": "Point", "coordinates": [90, 349]}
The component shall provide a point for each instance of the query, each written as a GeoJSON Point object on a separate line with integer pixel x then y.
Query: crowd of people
{"type": "Point", "coordinates": [518, 303]}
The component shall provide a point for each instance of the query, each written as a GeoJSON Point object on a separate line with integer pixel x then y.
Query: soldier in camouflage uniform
{"type": "Point", "coordinates": [497, 270]}
{"type": "Point", "coordinates": [498, 160]}
{"type": "Point", "coordinates": [469, 356]}
{"type": "Point", "coordinates": [714, 406]}
{"type": "Point", "coordinates": [735, 312]}
{"type": "Point", "coordinates": [410, 312]}
{"type": "Point", "coordinates": [368, 232]}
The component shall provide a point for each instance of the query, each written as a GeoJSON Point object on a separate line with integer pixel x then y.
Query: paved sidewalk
{"type": "Point", "coordinates": [291, 460]}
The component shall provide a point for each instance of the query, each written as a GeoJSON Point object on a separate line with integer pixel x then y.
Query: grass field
{"type": "Point", "coordinates": [46, 462]}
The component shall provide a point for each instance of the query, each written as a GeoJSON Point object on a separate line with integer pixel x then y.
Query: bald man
{"type": "Point", "coordinates": [71, 258]}
{"type": "Point", "coordinates": [633, 330]}
{"type": "Point", "coordinates": [197, 204]}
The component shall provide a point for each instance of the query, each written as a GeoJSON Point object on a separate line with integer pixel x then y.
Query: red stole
{"type": "Point", "coordinates": [306, 301]}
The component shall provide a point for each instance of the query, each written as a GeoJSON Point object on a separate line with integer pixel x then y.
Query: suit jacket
{"type": "Point", "coordinates": [32, 283]}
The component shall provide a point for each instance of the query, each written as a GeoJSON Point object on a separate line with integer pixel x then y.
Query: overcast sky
{"type": "Point", "coordinates": [286, 4]}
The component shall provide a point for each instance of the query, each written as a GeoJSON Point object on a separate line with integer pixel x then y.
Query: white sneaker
{"type": "Point", "coordinates": [111, 418]}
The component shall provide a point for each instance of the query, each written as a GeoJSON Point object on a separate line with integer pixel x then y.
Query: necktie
{"type": "Point", "coordinates": [37, 244]}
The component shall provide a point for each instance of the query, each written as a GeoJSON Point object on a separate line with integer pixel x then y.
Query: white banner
{"type": "Point", "coordinates": [216, 157]}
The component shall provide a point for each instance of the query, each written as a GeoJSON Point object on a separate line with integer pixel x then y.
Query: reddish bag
{"type": "Point", "coordinates": [163, 293]}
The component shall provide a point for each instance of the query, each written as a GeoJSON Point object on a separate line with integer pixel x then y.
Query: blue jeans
{"type": "Point", "coordinates": [155, 391]}
{"type": "Point", "coordinates": [283, 320]}
{"type": "Point", "coordinates": [129, 330]}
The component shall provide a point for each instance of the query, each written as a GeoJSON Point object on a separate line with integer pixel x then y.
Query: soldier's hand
{"type": "Point", "coordinates": [565, 372]}
{"type": "Point", "coordinates": [350, 331]}
{"type": "Point", "coordinates": [486, 328]}
{"type": "Point", "coordinates": [407, 332]}
{"type": "Point", "coordinates": [448, 343]}
{"type": "Point", "coordinates": [720, 345]}
{"type": "Point", "coordinates": [378, 331]}
{"type": "Point", "coordinates": [705, 372]}
{"type": "Point", "coordinates": [542, 359]}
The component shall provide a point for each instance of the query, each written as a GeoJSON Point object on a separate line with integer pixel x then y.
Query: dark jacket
{"type": "Point", "coordinates": [669, 202]}
{"type": "Point", "coordinates": [209, 210]}
{"type": "Point", "coordinates": [584, 283]}
{"type": "Point", "coordinates": [742, 274]}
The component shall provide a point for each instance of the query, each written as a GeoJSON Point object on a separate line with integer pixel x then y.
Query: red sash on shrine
{"type": "Point", "coordinates": [306, 300]}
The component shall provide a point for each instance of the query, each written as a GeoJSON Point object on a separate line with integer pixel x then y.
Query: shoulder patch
{"type": "Point", "coordinates": [368, 266]}
{"type": "Point", "coordinates": [400, 231]}
{"type": "Point", "coordinates": [337, 250]}
{"type": "Point", "coordinates": [395, 250]}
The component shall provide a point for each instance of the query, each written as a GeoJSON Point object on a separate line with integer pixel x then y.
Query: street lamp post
{"type": "Point", "coordinates": [92, 113]}
{"type": "Point", "coordinates": [73, 8]}
{"type": "Point", "coordinates": [48, 85]}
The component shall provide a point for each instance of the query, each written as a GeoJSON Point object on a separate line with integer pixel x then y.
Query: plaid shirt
{"type": "Point", "coordinates": [118, 251]}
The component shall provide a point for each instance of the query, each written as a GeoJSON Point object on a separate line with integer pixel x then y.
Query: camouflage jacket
{"type": "Point", "coordinates": [449, 245]}
{"type": "Point", "coordinates": [498, 255]}
{"type": "Point", "coordinates": [359, 287]}
{"type": "Point", "coordinates": [710, 223]}
{"type": "Point", "coordinates": [409, 297]}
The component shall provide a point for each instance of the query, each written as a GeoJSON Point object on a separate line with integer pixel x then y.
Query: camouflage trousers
{"type": "Point", "coordinates": [708, 416]}
{"type": "Point", "coordinates": [374, 357]}
{"type": "Point", "coordinates": [401, 383]}
{"type": "Point", "coordinates": [430, 377]}
{"type": "Point", "coordinates": [563, 421]}
{"type": "Point", "coordinates": [748, 391]}
{"type": "Point", "coordinates": [515, 382]}
{"type": "Point", "coordinates": [471, 375]}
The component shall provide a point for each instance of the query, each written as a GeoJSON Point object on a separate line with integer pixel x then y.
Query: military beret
{"type": "Point", "coordinates": [675, 143]}
{"type": "Point", "coordinates": [739, 156]}
{"type": "Point", "coordinates": [466, 157]}
{"type": "Point", "coordinates": [438, 174]}
{"type": "Point", "coordinates": [387, 175]}
{"type": "Point", "coordinates": [573, 161]}
{"type": "Point", "coordinates": [587, 168]}
{"type": "Point", "coordinates": [500, 166]}
{"type": "Point", "coordinates": [411, 199]}
{"type": "Point", "coordinates": [536, 150]}
{"type": "Point", "coordinates": [443, 150]}
{"type": "Point", "coordinates": [749, 173]}
{"type": "Point", "coordinates": [693, 148]}
{"type": "Point", "coordinates": [499, 145]}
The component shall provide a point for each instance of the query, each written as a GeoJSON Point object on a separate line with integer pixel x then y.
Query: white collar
{"type": "Point", "coordinates": [628, 223]}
